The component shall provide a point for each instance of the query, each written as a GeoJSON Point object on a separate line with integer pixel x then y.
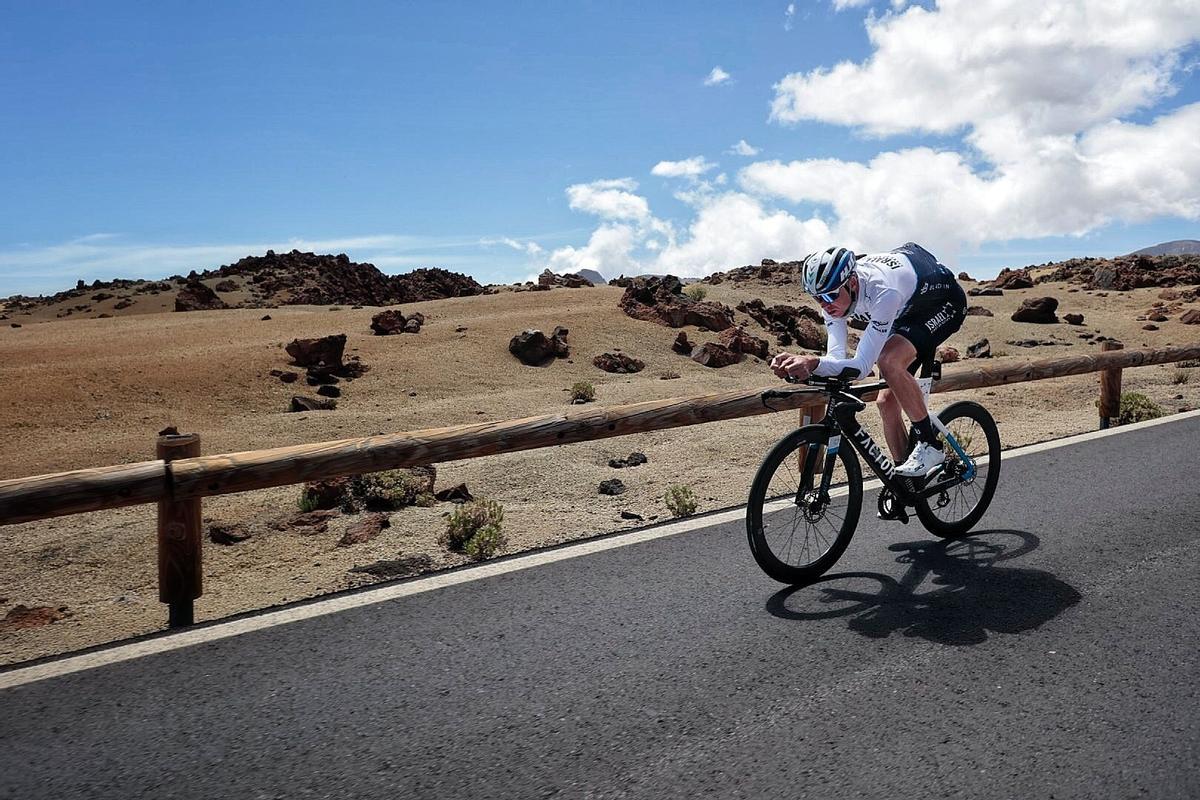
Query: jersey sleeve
{"type": "Point", "coordinates": [835, 332]}
{"type": "Point", "coordinates": [883, 314]}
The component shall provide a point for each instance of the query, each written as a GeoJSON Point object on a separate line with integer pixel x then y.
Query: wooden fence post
{"type": "Point", "coordinates": [1110, 387]}
{"type": "Point", "coordinates": [179, 540]}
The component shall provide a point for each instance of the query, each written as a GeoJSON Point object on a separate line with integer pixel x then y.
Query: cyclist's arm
{"type": "Point", "coordinates": [883, 314]}
{"type": "Point", "coordinates": [835, 336]}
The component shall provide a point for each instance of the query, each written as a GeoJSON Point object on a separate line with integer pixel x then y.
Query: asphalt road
{"type": "Point", "coordinates": [1052, 654]}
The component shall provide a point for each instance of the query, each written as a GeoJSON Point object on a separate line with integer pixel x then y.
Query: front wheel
{"type": "Point", "coordinates": [796, 532]}
{"type": "Point", "coordinates": [953, 511]}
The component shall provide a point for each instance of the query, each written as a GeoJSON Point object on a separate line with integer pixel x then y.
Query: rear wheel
{"type": "Point", "coordinates": [953, 511]}
{"type": "Point", "coordinates": [796, 533]}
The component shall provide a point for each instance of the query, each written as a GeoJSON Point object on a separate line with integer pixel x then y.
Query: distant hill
{"type": "Point", "coordinates": [593, 276]}
{"type": "Point", "coordinates": [1179, 247]}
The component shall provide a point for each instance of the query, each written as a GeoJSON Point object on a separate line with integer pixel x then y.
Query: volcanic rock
{"type": "Point", "coordinates": [737, 340]}
{"type": "Point", "coordinates": [661, 300]}
{"type": "Point", "coordinates": [365, 529]}
{"type": "Point", "coordinates": [983, 291]}
{"type": "Point", "coordinates": [618, 363]}
{"type": "Point", "coordinates": [328, 493]}
{"type": "Point", "coordinates": [1038, 310]}
{"type": "Point", "coordinates": [387, 323]}
{"type": "Point", "coordinates": [533, 348]}
{"type": "Point", "coordinates": [1073, 319]}
{"type": "Point", "coordinates": [300, 403]}
{"type": "Point", "coordinates": [329, 391]}
{"type": "Point", "coordinates": [1191, 317]}
{"type": "Point", "coordinates": [978, 311]}
{"type": "Point", "coordinates": [1013, 279]}
{"type": "Point", "coordinates": [947, 354]}
{"type": "Point", "coordinates": [226, 286]}
{"type": "Point", "coordinates": [21, 616]}
{"type": "Point", "coordinates": [323, 352]}
{"type": "Point", "coordinates": [228, 533]}
{"type": "Point", "coordinates": [682, 345]}
{"type": "Point", "coordinates": [455, 494]}
{"type": "Point", "coordinates": [195, 296]}
{"type": "Point", "coordinates": [980, 349]}
{"type": "Point", "coordinates": [715, 355]}
{"type": "Point", "coordinates": [632, 460]}
{"type": "Point", "coordinates": [611, 486]}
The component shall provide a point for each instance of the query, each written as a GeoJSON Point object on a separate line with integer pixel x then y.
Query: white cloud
{"type": "Point", "coordinates": [743, 148]}
{"type": "Point", "coordinates": [717, 77]}
{"type": "Point", "coordinates": [1038, 107]}
{"type": "Point", "coordinates": [787, 16]}
{"type": "Point", "coordinates": [530, 247]}
{"type": "Point", "coordinates": [688, 168]}
{"type": "Point", "coordinates": [1038, 100]}
{"type": "Point", "coordinates": [842, 5]}
{"type": "Point", "coordinates": [610, 199]}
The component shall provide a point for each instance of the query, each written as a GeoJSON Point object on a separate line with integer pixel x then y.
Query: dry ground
{"type": "Point", "coordinates": [91, 392]}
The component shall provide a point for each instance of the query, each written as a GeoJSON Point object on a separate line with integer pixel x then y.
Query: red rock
{"type": "Point", "coordinates": [228, 533]}
{"type": "Point", "coordinates": [715, 355]}
{"type": "Point", "coordinates": [1013, 279]}
{"type": "Point", "coordinates": [947, 354]}
{"type": "Point", "coordinates": [195, 296]}
{"type": "Point", "coordinates": [21, 617]}
{"type": "Point", "coordinates": [682, 345]}
{"type": "Point", "coordinates": [737, 340]}
{"type": "Point", "coordinates": [661, 300]}
{"type": "Point", "coordinates": [328, 493]}
{"type": "Point", "coordinates": [1073, 319]}
{"type": "Point", "coordinates": [618, 362]}
{"type": "Point", "coordinates": [1191, 317]}
{"type": "Point", "coordinates": [533, 348]}
{"type": "Point", "coordinates": [365, 529]}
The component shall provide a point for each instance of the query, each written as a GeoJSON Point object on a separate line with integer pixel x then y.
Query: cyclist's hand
{"type": "Point", "coordinates": [798, 367]}
{"type": "Point", "coordinates": [777, 364]}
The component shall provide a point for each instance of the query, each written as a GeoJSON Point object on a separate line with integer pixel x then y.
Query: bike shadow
{"type": "Point", "coordinates": [972, 596]}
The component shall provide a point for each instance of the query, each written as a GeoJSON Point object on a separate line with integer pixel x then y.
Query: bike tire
{"type": "Point", "coordinates": [971, 500]}
{"type": "Point", "coordinates": [764, 532]}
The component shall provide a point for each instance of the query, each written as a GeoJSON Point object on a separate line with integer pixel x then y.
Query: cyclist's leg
{"type": "Point", "coordinates": [895, 360]}
{"type": "Point", "coordinates": [897, 350]}
{"type": "Point", "coordinates": [923, 329]}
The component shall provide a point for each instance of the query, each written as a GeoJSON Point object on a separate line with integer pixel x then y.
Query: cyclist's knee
{"type": "Point", "coordinates": [887, 400]}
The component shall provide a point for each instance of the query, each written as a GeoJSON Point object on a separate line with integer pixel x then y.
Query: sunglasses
{"type": "Point", "coordinates": [828, 297]}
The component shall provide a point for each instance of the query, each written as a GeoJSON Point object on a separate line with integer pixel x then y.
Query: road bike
{"type": "Point", "coordinates": [807, 495]}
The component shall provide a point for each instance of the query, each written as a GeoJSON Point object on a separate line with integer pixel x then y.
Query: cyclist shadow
{"type": "Point", "coordinates": [972, 594]}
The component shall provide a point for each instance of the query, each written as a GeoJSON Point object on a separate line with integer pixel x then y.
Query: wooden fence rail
{"type": "Point", "coordinates": [183, 479]}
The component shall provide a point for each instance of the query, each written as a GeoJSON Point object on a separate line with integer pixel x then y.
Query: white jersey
{"type": "Point", "coordinates": [886, 282]}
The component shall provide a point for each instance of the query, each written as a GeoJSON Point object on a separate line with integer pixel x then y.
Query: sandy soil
{"type": "Point", "coordinates": [91, 392]}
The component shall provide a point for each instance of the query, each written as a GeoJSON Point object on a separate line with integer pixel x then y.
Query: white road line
{"type": "Point", "coordinates": [186, 638]}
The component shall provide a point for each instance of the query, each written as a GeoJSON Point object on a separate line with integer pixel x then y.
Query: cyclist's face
{"type": "Point", "coordinates": [840, 304]}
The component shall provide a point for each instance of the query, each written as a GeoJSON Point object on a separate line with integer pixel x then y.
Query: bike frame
{"type": "Point", "coordinates": [840, 422]}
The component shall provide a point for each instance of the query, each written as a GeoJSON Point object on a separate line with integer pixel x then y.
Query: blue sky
{"type": "Point", "coordinates": [148, 139]}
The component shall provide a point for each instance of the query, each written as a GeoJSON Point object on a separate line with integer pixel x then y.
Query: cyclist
{"type": "Point", "coordinates": [911, 304]}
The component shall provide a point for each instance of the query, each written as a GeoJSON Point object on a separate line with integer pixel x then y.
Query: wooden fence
{"type": "Point", "coordinates": [180, 477]}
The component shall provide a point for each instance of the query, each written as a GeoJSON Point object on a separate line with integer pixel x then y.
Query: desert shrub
{"type": "Point", "coordinates": [696, 291]}
{"type": "Point", "coordinates": [1136, 407]}
{"type": "Point", "coordinates": [307, 502]}
{"type": "Point", "coordinates": [474, 529]}
{"type": "Point", "coordinates": [583, 392]}
{"type": "Point", "coordinates": [1180, 376]}
{"type": "Point", "coordinates": [392, 489]}
{"type": "Point", "coordinates": [681, 501]}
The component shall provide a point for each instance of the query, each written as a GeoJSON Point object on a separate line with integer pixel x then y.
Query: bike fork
{"type": "Point", "coordinates": [926, 384]}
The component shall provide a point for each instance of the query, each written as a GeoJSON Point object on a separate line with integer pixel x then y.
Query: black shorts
{"type": "Point", "coordinates": [932, 319]}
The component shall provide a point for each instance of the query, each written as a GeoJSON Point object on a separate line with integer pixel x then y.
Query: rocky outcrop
{"type": "Point", "coordinates": [662, 301]}
{"type": "Point", "coordinates": [1013, 279]}
{"type": "Point", "coordinates": [569, 280]}
{"type": "Point", "coordinates": [789, 324]}
{"type": "Point", "coordinates": [1038, 310]}
{"type": "Point", "coordinates": [681, 344]}
{"type": "Point", "coordinates": [768, 271]}
{"type": "Point", "coordinates": [980, 349]}
{"type": "Point", "coordinates": [195, 296]}
{"type": "Point", "coordinates": [533, 348]}
{"type": "Point", "coordinates": [737, 340]}
{"type": "Point", "coordinates": [301, 403]}
{"type": "Point", "coordinates": [1127, 272]}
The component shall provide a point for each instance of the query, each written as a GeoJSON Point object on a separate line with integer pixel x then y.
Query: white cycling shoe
{"type": "Point", "coordinates": [922, 461]}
